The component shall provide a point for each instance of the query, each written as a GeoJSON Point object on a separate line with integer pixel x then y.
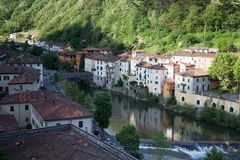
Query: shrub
{"type": "Point", "coordinates": [29, 126]}
{"type": "Point", "coordinates": [171, 100]}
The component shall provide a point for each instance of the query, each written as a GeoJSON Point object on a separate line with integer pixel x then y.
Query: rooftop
{"type": "Point", "coordinates": [50, 105]}
{"type": "Point", "coordinates": [101, 57]}
{"type": "Point", "coordinates": [12, 69]}
{"type": "Point", "coordinates": [186, 64]}
{"type": "Point", "coordinates": [8, 123]}
{"type": "Point", "coordinates": [197, 72]}
{"type": "Point", "coordinates": [126, 56]}
{"type": "Point", "coordinates": [24, 59]}
{"type": "Point", "coordinates": [150, 66]}
{"type": "Point", "coordinates": [28, 77]}
{"type": "Point", "coordinates": [64, 142]}
{"type": "Point", "coordinates": [190, 54]}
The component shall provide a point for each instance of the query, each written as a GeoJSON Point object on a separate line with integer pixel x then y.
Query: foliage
{"type": "Point", "coordinates": [215, 155]}
{"type": "Point", "coordinates": [153, 98]}
{"type": "Point", "coordinates": [37, 51]}
{"type": "Point", "coordinates": [125, 78]}
{"type": "Point", "coordinates": [50, 61]}
{"type": "Point", "coordinates": [103, 109]}
{"type": "Point", "coordinates": [2, 156]}
{"type": "Point", "coordinates": [120, 82]}
{"type": "Point", "coordinates": [128, 138]}
{"type": "Point", "coordinates": [161, 140]}
{"type": "Point", "coordinates": [222, 69]}
{"type": "Point", "coordinates": [125, 23]}
{"type": "Point", "coordinates": [236, 70]}
{"type": "Point", "coordinates": [187, 109]}
{"type": "Point", "coordinates": [29, 126]}
{"type": "Point", "coordinates": [65, 66]}
{"type": "Point", "coordinates": [171, 100]}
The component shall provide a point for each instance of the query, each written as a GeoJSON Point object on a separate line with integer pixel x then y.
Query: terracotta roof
{"type": "Point", "coordinates": [150, 66]}
{"type": "Point", "coordinates": [8, 123]}
{"type": "Point", "coordinates": [186, 64]}
{"type": "Point", "coordinates": [96, 49]}
{"type": "Point", "coordinates": [171, 64]}
{"type": "Point", "coordinates": [50, 105]}
{"type": "Point", "coordinates": [24, 59]}
{"type": "Point", "coordinates": [170, 81]}
{"type": "Point", "coordinates": [197, 72]}
{"type": "Point", "coordinates": [12, 69]}
{"type": "Point", "coordinates": [28, 77]}
{"type": "Point", "coordinates": [101, 57]}
{"type": "Point", "coordinates": [69, 53]}
{"type": "Point", "coordinates": [126, 56]}
{"type": "Point", "coordinates": [58, 143]}
{"type": "Point", "coordinates": [159, 56]}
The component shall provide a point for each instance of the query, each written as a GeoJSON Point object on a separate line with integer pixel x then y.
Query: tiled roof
{"type": "Point", "coordinates": [101, 57]}
{"type": "Point", "coordinates": [24, 59]}
{"type": "Point", "coordinates": [190, 54]}
{"type": "Point", "coordinates": [171, 64]}
{"type": "Point", "coordinates": [170, 81]}
{"type": "Point", "coordinates": [28, 77]}
{"type": "Point", "coordinates": [197, 72]}
{"type": "Point", "coordinates": [96, 49]}
{"type": "Point", "coordinates": [12, 69]}
{"type": "Point", "coordinates": [150, 66]}
{"type": "Point", "coordinates": [8, 123]}
{"type": "Point", "coordinates": [159, 56]}
{"type": "Point", "coordinates": [51, 105]}
{"type": "Point", "coordinates": [58, 143]}
{"type": "Point", "coordinates": [126, 57]}
{"type": "Point", "coordinates": [186, 64]}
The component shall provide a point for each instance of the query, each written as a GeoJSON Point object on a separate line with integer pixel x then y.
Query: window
{"type": "Point", "coordinates": [26, 107]}
{"type": "Point", "coordinates": [183, 99]}
{"type": "Point", "coordinates": [156, 82]}
{"type": "Point", "coordinates": [197, 88]}
{"type": "Point", "coordinates": [214, 105]}
{"type": "Point", "coordinates": [188, 79]}
{"type": "Point", "coordinates": [178, 86]}
{"type": "Point", "coordinates": [58, 124]}
{"type": "Point", "coordinates": [198, 102]}
{"type": "Point", "coordinates": [231, 109]}
{"type": "Point", "coordinates": [188, 87]}
{"type": "Point", "coordinates": [155, 89]}
{"type": "Point", "coordinates": [80, 124]}
{"type": "Point", "coordinates": [12, 108]}
{"type": "Point", "coordinates": [203, 79]}
{"type": "Point", "coordinates": [0, 78]}
{"type": "Point", "coordinates": [197, 80]}
{"type": "Point", "coordinates": [183, 79]}
{"type": "Point", "coordinates": [26, 120]}
{"type": "Point", "coordinates": [6, 78]}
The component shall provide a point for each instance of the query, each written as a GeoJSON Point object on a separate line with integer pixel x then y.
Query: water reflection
{"type": "Point", "coordinates": [152, 118]}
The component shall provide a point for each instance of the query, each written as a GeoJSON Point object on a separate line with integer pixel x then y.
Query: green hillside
{"type": "Point", "coordinates": [159, 25]}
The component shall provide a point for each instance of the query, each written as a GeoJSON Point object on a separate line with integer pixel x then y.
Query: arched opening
{"type": "Point", "coordinates": [198, 102]}
{"type": "Point", "coordinates": [183, 99]}
{"type": "Point", "coordinates": [231, 109]}
{"type": "Point", "coordinates": [214, 105]}
{"type": "Point", "coordinates": [222, 107]}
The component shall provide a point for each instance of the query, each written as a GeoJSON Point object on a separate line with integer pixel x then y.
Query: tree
{"type": "Point", "coordinates": [50, 61]}
{"type": "Point", "coordinates": [236, 70]}
{"type": "Point", "coordinates": [222, 69]}
{"type": "Point", "coordinates": [161, 140]}
{"type": "Point", "coordinates": [214, 155]}
{"type": "Point", "coordinates": [2, 156]}
{"type": "Point", "coordinates": [29, 126]}
{"type": "Point", "coordinates": [128, 138]}
{"type": "Point", "coordinates": [103, 110]}
{"type": "Point", "coordinates": [37, 51]}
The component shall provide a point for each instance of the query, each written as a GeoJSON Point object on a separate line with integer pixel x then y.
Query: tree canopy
{"type": "Point", "coordinates": [128, 138]}
{"type": "Point", "coordinates": [236, 70]}
{"type": "Point", "coordinates": [158, 25]}
{"type": "Point", "coordinates": [215, 155]}
{"type": "Point", "coordinates": [103, 109]}
{"type": "Point", "coordinates": [222, 69]}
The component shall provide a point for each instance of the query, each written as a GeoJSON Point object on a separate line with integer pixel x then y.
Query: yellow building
{"type": "Point", "coordinates": [169, 88]}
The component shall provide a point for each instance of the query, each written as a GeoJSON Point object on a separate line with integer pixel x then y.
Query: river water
{"type": "Point", "coordinates": [150, 118]}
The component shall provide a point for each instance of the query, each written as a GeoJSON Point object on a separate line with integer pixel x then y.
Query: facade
{"type": "Point", "coordinates": [169, 88]}
{"type": "Point", "coordinates": [27, 61]}
{"type": "Point", "coordinates": [104, 51]}
{"type": "Point", "coordinates": [138, 56]}
{"type": "Point", "coordinates": [73, 58]}
{"type": "Point", "coordinates": [125, 64]}
{"type": "Point", "coordinates": [152, 76]}
{"type": "Point", "coordinates": [45, 109]}
{"type": "Point", "coordinates": [192, 81]}
{"type": "Point", "coordinates": [172, 69]}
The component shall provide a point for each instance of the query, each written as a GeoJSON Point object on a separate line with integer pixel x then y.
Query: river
{"type": "Point", "coordinates": [150, 118]}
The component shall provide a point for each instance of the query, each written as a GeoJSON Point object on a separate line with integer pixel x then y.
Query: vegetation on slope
{"type": "Point", "coordinates": [159, 25]}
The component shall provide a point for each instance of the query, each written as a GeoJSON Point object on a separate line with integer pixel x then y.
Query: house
{"type": "Point", "coordinates": [8, 123]}
{"type": "Point", "coordinates": [192, 81]}
{"type": "Point", "coordinates": [152, 76]}
{"type": "Point", "coordinates": [104, 51]}
{"type": "Point", "coordinates": [27, 61]}
{"type": "Point", "coordinates": [157, 59]}
{"type": "Point", "coordinates": [72, 57]}
{"type": "Point", "coordinates": [169, 88]}
{"type": "Point", "coordinates": [172, 69]}
{"type": "Point", "coordinates": [183, 66]}
{"type": "Point", "coordinates": [125, 64]}
{"type": "Point", "coordinates": [63, 142]}
{"type": "Point", "coordinates": [138, 56]}
{"type": "Point", "coordinates": [203, 50]}
{"type": "Point", "coordinates": [45, 109]}
{"type": "Point", "coordinates": [27, 81]}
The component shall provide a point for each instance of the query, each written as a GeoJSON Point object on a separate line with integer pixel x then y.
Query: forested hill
{"type": "Point", "coordinates": [159, 25]}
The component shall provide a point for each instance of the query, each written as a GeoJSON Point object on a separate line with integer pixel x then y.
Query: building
{"type": "Point", "coordinates": [73, 58]}
{"type": "Point", "coordinates": [44, 109]}
{"type": "Point", "coordinates": [27, 81]}
{"type": "Point", "coordinates": [105, 69]}
{"type": "Point", "coordinates": [152, 76]}
{"type": "Point", "coordinates": [156, 59]}
{"type": "Point", "coordinates": [192, 81]}
{"type": "Point", "coordinates": [172, 69]}
{"type": "Point", "coordinates": [125, 64]}
{"type": "Point", "coordinates": [27, 61]}
{"type": "Point", "coordinates": [63, 142]}
{"type": "Point", "coordinates": [169, 88]}
{"type": "Point", "coordinates": [8, 123]}
{"type": "Point", "coordinates": [104, 51]}
{"type": "Point", "coordinates": [138, 56]}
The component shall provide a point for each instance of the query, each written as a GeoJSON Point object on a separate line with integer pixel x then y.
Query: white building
{"type": "Point", "coordinates": [44, 109]}
{"type": "Point", "coordinates": [156, 59]}
{"type": "Point", "coordinates": [104, 51]}
{"type": "Point", "coordinates": [27, 81]}
{"type": "Point", "coordinates": [152, 76]}
{"type": "Point", "coordinates": [172, 69]}
{"type": "Point", "coordinates": [192, 81]}
{"type": "Point", "coordinates": [125, 64]}
{"type": "Point", "coordinates": [105, 69]}
{"type": "Point", "coordinates": [27, 61]}
{"type": "Point", "coordinates": [138, 56]}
